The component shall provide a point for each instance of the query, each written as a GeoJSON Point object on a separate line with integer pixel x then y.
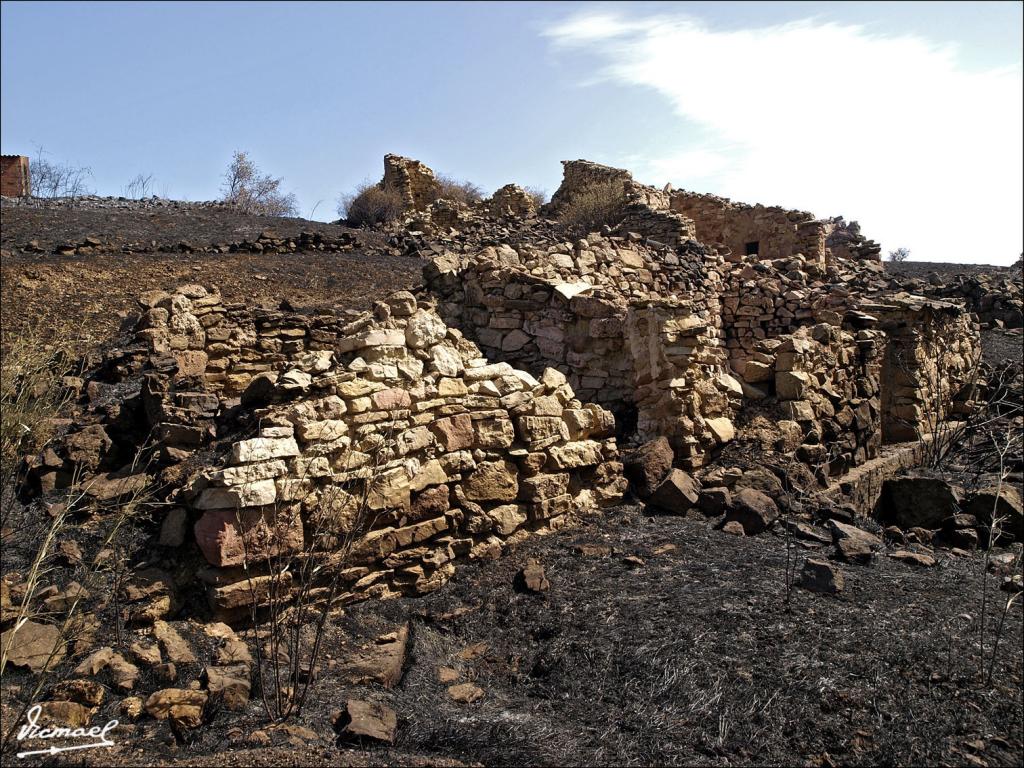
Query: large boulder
{"type": "Point", "coordinates": [753, 510]}
{"type": "Point", "coordinates": [648, 466]}
{"type": "Point", "coordinates": [919, 501]}
{"type": "Point", "coordinates": [677, 493]}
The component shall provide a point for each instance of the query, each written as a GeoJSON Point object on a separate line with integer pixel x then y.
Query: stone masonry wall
{"type": "Point", "coordinates": [633, 328]}
{"type": "Point", "coordinates": [766, 300]}
{"type": "Point", "coordinates": [458, 458]}
{"type": "Point", "coordinates": [827, 384]}
{"type": "Point", "coordinates": [413, 180]}
{"type": "Point", "coordinates": [729, 226]}
{"type": "Point", "coordinates": [929, 366]}
{"type": "Point", "coordinates": [646, 210]}
{"type": "Point", "coordinates": [511, 200]}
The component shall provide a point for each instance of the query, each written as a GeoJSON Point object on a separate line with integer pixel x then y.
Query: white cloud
{"type": "Point", "coordinates": [889, 130]}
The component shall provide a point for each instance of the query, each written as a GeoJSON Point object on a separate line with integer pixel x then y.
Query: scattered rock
{"type": "Point", "coordinates": [382, 662]}
{"type": "Point", "coordinates": [64, 714]}
{"type": "Point", "coordinates": [531, 578]}
{"type": "Point", "coordinates": [366, 720]}
{"type": "Point", "coordinates": [175, 647]}
{"type": "Point", "coordinates": [465, 693]}
{"type": "Point", "coordinates": [160, 703]}
{"type": "Point", "coordinates": [913, 558]}
{"type": "Point", "coordinates": [853, 544]}
{"type": "Point", "coordinates": [88, 693]}
{"type": "Point", "coordinates": [734, 527]}
{"type": "Point", "coordinates": [473, 651]}
{"type": "Point", "coordinates": [648, 466]}
{"type": "Point", "coordinates": [821, 576]}
{"type": "Point", "coordinates": [131, 707]}
{"type": "Point", "coordinates": [230, 684]}
{"type": "Point", "coordinates": [677, 493]}
{"type": "Point", "coordinates": [447, 675]}
{"type": "Point", "coordinates": [1006, 501]}
{"type": "Point", "coordinates": [124, 673]}
{"type": "Point", "coordinates": [33, 645]}
{"type": "Point", "coordinates": [714, 501]}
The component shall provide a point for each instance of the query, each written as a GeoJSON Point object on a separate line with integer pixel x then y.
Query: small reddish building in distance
{"type": "Point", "coordinates": [14, 178]}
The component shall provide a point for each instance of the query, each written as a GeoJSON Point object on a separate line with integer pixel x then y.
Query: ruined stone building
{"type": "Point", "coordinates": [695, 306]}
{"type": "Point", "coordinates": [494, 404]}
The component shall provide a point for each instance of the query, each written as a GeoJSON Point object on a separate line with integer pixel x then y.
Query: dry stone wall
{"type": "Point", "coordinates": [930, 364]}
{"type": "Point", "coordinates": [827, 384]}
{"type": "Point", "coordinates": [413, 181]}
{"type": "Point", "coordinates": [511, 200]}
{"type": "Point", "coordinates": [646, 209]}
{"type": "Point", "coordinates": [676, 335]}
{"type": "Point", "coordinates": [457, 457]}
{"type": "Point", "coordinates": [634, 328]}
{"type": "Point", "coordinates": [737, 229]}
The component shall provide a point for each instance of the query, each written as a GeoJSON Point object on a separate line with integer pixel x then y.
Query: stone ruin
{"type": "Point", "coordinates": [456, 457]}
{"type": "Point", "coordinates": [412, 180]}
{"type": "Point", "coordinates": [677, 335]}
{"type": "Point", "coordinates": [492, 405]}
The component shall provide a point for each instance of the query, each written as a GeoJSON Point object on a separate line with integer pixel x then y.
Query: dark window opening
{"type": "Point", "coordinates": [752, 248]}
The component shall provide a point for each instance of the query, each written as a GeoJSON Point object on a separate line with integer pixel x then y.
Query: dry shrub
{"type": "Point", "coordinates": [465, 192]}
{"type": "Point", "coordinates": [53, 180]}
{"type": "Point", "coordinates": [538, 195]}
{"type": "Point", "coordinates": [252, 192]}
{"type": "Point", "coordinates": [31, 395]}
{"type": "Point", "coordinates": [370, 205]}
{"type": "Point", "coordinates": [597, 205]}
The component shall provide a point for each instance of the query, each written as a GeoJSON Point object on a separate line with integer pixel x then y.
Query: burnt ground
{"type": "Point", "coordinates": [54, 225]}
{"type": "Point", "coordinates": [92, 295]}
{"type": "Point", "coordinates": [87, 297]}
{"type": "Point", "coordinates": [690, 657]}
{"type": "Point", "coordinates": [999, 346]}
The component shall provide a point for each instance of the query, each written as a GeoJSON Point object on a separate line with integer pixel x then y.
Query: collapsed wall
{"type": "Point", "coordinates": [479, 413]}
{"type": "Point", "coordinates": [633, 328]}
{"type": "Point", "coordinates": [455, 457]}
{"type": "Point", "coordinates": [412, 180]}
{"type": "Point", "coordinates": [645, 210]}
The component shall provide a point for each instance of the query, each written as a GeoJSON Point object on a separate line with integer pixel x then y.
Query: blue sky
{"type": "Point", "coordinates": [905, 116]}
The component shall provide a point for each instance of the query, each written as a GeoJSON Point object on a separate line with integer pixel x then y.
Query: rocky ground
{"type": "Point", "coordinates": [658, 641]}
{"type": "Point", "coordinates": [636, 639]}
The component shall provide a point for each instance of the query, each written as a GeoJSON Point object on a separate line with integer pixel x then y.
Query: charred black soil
{"type": "Point", "coordinates": [690, 655]}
